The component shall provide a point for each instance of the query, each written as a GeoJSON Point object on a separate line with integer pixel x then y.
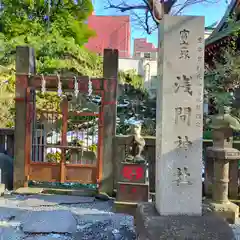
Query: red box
{"type": "Point", "coordinates": [132, 172]}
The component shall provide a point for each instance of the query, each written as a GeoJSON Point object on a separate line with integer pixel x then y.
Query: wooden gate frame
{"type": "Point", "coordinates": [26, 79]}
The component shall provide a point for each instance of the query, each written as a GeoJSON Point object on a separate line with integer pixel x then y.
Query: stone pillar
{"type": "Point", "coordinates": [180, 116]}
{"type": "Point", "coordinates": [208, 179]}
{"type": "Point", "coordinates": [110, 74]}
{"type": "Point", "coordinates": [177, 213]}
{"type": "Point", "coordinates": [233, 179]}
{"type": "Point", "coordinates": [25, 65]}
{"type": "Point", "coordinates": [222, 152]}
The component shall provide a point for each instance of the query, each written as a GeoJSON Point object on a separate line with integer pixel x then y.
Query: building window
{"type": "Point", "coordinates": [147, 55]}
{"type": "Point", "coordinates": [153, 81]}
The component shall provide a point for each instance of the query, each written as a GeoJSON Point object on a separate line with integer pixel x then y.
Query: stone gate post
{"type": "Point", "coordinates": [25, 65]}
{"type": "Point", "coordinates": [110, 74]}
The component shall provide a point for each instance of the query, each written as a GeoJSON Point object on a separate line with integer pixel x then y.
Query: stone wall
{"type": "Point", "coordinates": [149, 153]}
{"type": "Point", "coordinates": [7, 144]}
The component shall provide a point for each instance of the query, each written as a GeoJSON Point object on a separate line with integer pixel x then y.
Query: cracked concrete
{"type": "Point", "coordinates": [58, 217]}
{"type": "Point", "coordinates": [51, 217]}
{"type": "Point", "coordinates": [58, 221]}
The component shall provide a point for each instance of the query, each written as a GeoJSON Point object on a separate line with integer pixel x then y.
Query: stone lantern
{"type": "Point", "coordinates": [222, 152]}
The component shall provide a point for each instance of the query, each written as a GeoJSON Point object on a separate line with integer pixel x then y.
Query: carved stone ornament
{"type": "Point", "coordinates": [225, 120]}
{"type": "Point", "coordinates": [137, 145]}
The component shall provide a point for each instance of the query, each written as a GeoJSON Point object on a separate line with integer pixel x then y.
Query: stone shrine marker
{"type": "Point", "coordinates": [177, 211]}
{"type": "Point", "coordinates": [180, 116]}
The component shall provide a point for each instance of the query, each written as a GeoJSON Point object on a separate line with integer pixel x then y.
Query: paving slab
{"type": "Point", "coordinates": [58, 221]}
{"type": "Point", "coordinates": [97, 230]}
{"type": "Point", "coordinates": [7, 233]}
{"type": "Point", "coordinates": [150, 225]}
{"type": "Point", "coordinates": [7, 214]}
{"type": "Point", "coordinates": [51, 200]}
{"type": "Point", "coordinates": [49, 237]}
{"type": "Point", "coordinates": [94, 219]}
{"type": "Point", "coordinates": [28, 191]}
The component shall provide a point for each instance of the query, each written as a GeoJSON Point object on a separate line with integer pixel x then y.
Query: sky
{"type": "Point", "coordinates": [213, 12]}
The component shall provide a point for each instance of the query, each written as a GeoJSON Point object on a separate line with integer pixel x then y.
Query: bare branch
{"type": "Point", "coordinates": [173, 7]}
{"type": "Point", "coordinates": [146, 22]}
{"type": "Point", "coordinates": [123, 7]}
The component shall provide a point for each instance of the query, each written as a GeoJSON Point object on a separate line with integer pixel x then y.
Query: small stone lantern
{"type": "Point", "coordinates": [222, 152]}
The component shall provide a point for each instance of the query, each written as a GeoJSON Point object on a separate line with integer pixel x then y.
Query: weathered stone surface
{"type": "Point", "coordinates": [49, 237]}
{"type": "Point", "coordinates": [104, 229]}
{"type": "Point", "coordinates": [28, 190]}
{"type": "Point", "coordinates": [51, 200]}
{"type": "Point", "coordinates": [229, 211]}
{"type": "Point", "coordinates": [132, 192]}
{"type": "Point", "coordinates": [223, 153]}
{"type": "Point", "coordinates": [7, 214]}
{"type": "Point", "coordinates": [125, 207]}
{"type": "Point", "coordinates": [50, 222]}
{"type": "Point", "coordinates": [180, 116]}
{"type": "Point", "coordinates": [9, 210]}
{"type": "Point", "coordinates": [150, 225]}
{"type": "Point", "coordinates": [97, 230]}
{"type": "Point", "coordinates": [10, 234]}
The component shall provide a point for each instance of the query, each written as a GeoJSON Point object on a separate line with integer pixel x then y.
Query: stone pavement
{"type": "Point", "coordinates": [51, 217]}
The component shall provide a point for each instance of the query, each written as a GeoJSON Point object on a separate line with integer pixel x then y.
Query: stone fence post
{"type": "Point", "coordinates": [25, 67]}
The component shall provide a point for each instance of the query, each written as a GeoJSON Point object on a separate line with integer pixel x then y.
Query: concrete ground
{"type": "Point", "coordinates": [51, 217]}
{"type": "Point", "coordinates": [236, 230]}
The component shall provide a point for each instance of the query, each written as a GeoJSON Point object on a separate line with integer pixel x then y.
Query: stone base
{"type": "Point", "coordinates": [229, 211]}
{"type": "Point", "coordinates": [125, 207]}
{"type": "Point", "coordinates": [2, 189]}
{"type": "Point", "coordinates": [151, 226]}
{"type": "Point", "coordinates": [132, 192]}
{"type": "Point", "coordinates": [39, 190]}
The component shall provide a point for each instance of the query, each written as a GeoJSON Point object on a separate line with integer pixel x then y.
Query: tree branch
{"type": "Point", "coordinates": [173, 7]}
{"type": "Point", "coordinates": [123, 7]}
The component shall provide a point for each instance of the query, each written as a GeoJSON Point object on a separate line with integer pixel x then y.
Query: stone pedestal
{"type": "Point", "coordinates": [222, 153]}
{"type": "Point", "coordinates": [132, 187]}
{"type": "Point", "coordinates": [150, 225]}
{"type": "Point", "coordinates": [227, 210]}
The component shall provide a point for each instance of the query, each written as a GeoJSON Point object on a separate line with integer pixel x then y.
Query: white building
{"type": "Point", "coordinates": [145, 67]}
{"type": "Point", "coordinates": [144, 61]}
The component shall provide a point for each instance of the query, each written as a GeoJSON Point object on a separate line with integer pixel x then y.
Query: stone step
{"type": "Point", "coordinates": [133, 183]}
{"type": "Point", "coordinates": [72, 192]}
{"type": "Point", "coordinates": [125, 207]}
